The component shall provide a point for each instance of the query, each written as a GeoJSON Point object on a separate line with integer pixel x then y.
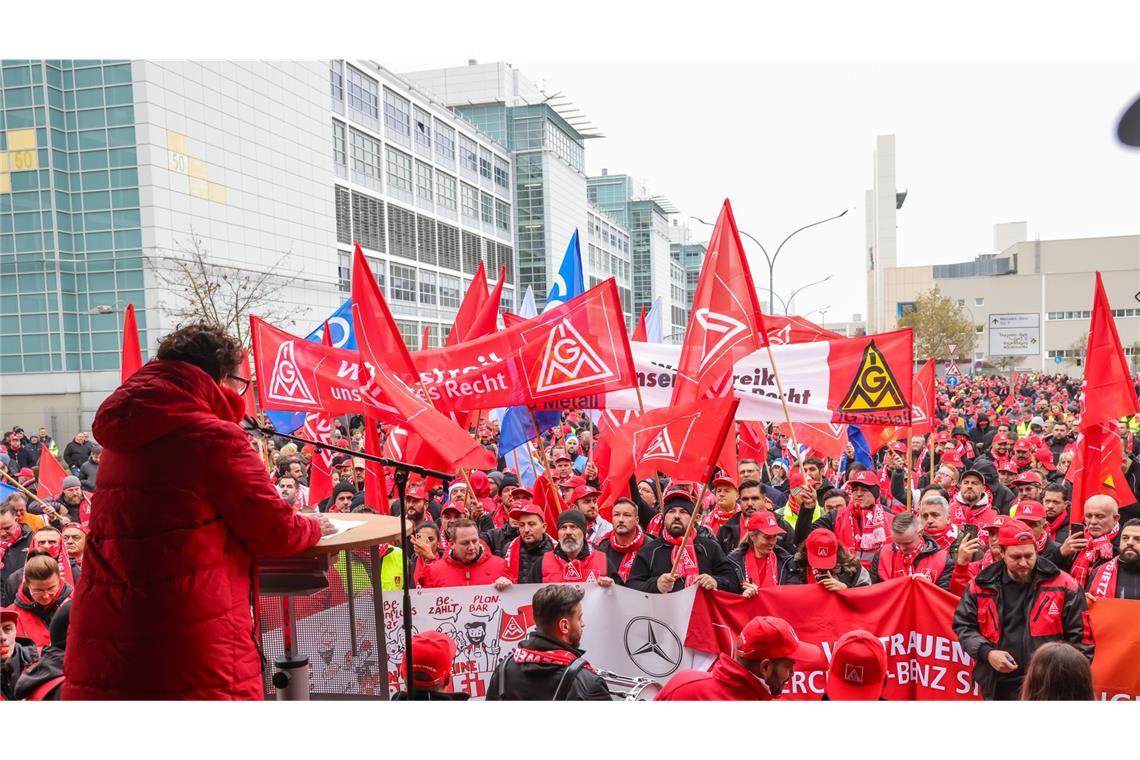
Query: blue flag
{"type": "Point", "coordinates": [6, 491]}
{"type": "Point", "coordinates": [570, 282]}
{"type": "Point", "coordinates": [517, 427]}
{"type": "Point", "coordinates": [862, 448]}
{"type": "Point", "coordinates": [343, 336]}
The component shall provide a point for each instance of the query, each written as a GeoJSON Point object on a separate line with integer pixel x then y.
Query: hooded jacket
{"type": "Point", "coordinates": [726, 681]}
{"type": "Point", "coordinates": [35, 618]}
{"type": "Point", "coordinates": [163, 605]}
{"type": "Point", "coordinates": [448, 571]}
{"type": "Point", "coordinates": [537, 681]}
{"type": "Point", "coordinates": [24, 654]}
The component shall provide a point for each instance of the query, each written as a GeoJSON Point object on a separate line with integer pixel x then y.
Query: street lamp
{"type": "Point", "coordinates": [772, 259]}
{"type": "Point", "coordinates": [787, 303]}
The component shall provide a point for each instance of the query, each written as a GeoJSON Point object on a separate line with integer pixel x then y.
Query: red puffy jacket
{"type": "Point", "coordinates": [448, 571]}
{"type": "Point", "coordinates": [726, 681]}
{"type": "Point", "coordinates": [163, 607]}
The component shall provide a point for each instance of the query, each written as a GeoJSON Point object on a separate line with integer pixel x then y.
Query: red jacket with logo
{"type": "Point", "coordinates": [1055, 610]}
{"type": "Point", "coordinates": [932, 562]}
{"type": "Point", "coordinates": [557, 568]}
{"type": "Point", "coordinates": [726, 681]}
{"type": "Point", "coordinates": [163, 607]}
{"type": "Point", "coordinates": [449, 572]}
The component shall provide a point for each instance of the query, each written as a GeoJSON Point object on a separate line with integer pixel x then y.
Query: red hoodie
{"type": "Point", "coordinates": [449, 572]}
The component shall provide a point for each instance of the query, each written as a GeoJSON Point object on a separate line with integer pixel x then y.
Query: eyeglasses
{"type": "Point", "coordinates": [244, 383]}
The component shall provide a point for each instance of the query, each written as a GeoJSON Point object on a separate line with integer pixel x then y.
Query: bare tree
{"type": "Point", "coordinates": [224, 295]}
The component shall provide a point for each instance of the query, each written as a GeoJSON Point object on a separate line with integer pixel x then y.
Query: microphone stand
{"type": "Point", "coordinates": [402, 470]}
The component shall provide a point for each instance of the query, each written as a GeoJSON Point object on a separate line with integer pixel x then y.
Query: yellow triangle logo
{"type": "Point", "coordinates": [874, 388]}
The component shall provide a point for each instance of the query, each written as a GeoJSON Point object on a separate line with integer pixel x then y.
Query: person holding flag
{"type": "Point", "coordinates": [682, 557]}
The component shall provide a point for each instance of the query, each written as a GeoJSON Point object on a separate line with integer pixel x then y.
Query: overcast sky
{"type": "Point", "coordinates": [791, 142]}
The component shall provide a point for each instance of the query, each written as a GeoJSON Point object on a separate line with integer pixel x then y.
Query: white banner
{"type": "Point", "coordinates": [804, 374]}
{"type": "Point", "coordinates": [627, 632]}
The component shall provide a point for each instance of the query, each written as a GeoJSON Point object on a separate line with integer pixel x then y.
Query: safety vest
{"type": "Point", "coordinates": [391, 571]}
{"type": "Point", "coordinates": [790, 517]}
{"type": "Point", "coordinates": [1023, 430]}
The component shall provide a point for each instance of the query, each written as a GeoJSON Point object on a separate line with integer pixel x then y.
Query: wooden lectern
{"type": "Point", "coordinates": [305, 574]}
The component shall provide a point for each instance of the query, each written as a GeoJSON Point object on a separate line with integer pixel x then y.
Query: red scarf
{"type": "Point", "coordinates": [628, 551]}
{"type": "Point", "coordinates": [1103, 583]}
{"type": "Point", "coordinates": [861, 530]}
{"type": "Point", "coordinates": [6, 545]}
{"type": "Point", "coordinates": [945, 537]}
{"type": "Point", "coordinates": [761, 572]}
{"type": "Point", "coordinates": [717, 518]}
{"type": "Point", "coordinates": [1054, 525]}
{"type": "Point", "coordinates": [687, 568]}
{"type": "Point", "coordinates": [908, 558]}
{"type": "Point", "coordinates": [561, 657]}
{"type": "Point", "coordinates": [59, 554]}
{"type": "Point", "coordinates": [1042, 542]}
{"type": "Point", "coordinates": [1099, 548]}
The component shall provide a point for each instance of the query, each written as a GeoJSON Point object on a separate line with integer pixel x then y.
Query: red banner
{"type": "Point", "coordinates": [132, 353]}
{"type": "Point", "coordinates": [792, 329]}
{"type": "Point", "coordinates": [1115, 667]}
{"type": "Point", "coordinates": [912, 617]}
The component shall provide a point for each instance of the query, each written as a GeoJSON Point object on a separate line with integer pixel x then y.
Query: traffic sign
{"type": "Point", "coordinates": [952, 370]}
{"type": "Point", "coordinates": [951, 348]}
{"type": "Point", "coordinates": [1057, 359]}
{"type": "Point", "coordinates": [952, 381]}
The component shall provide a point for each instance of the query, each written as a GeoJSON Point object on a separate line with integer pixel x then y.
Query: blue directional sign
{"type": "Point", "coordinates": [952, 381]}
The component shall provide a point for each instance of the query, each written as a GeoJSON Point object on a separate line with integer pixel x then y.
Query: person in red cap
{"type": "Point", "coordinates": [16, 653]}
{"type": "Point", "coordinates": [623, 543]}
{"type": "Point", "coordinates": [468, 563]}
{"type": "Point", "coordinates": [572, 559]}
{"type": "Point", "coordinates": [822, 560]}
{"type": "Point", "coordinates": [1002, 448]}
{"type": "Point", "coordinates": [767, 654]}
{"type": "Point", "coordinates": [759, 560]}
{"type": "Point", "coordinates": [1014, 606]}
{"type": "Point", "coordinates": [432, 654]}
{"type": "Point", "coordinates": [1043, 465]}
{"type": "Point", "coordinates": [585, 500]}
{"type": "Point", "coordinates": [1029, 485]}
{"type": "Point", "coordinates": [862, 525]}
{"type": "Point", "coordinates": [1032, 513]}
{"type": "Point", "coordinates": [726, 493]}
{"type": "Point", "coordinates": [525, 551]}
{"type": "Point", "coordinates": [894, 476]}
{"type": "Point", "coordinates": [1007, 473]}
{"type": "Point", "coordinates": [1023, 454]}
{"type": "Point", "coordinates": [858, 668]}
{"type": "Point", "coordinates": [563, 466]}
{"type": "Point", "coordinates": [911, 553]}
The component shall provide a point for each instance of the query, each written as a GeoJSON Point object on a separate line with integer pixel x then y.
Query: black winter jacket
{"type": "Point", "coordinates": [537, 682]}
{"type": "Point", "coordinates": [49, 667]}
{"type": "Point", "coordinates": [655, 559]}
{"type": "Point", "coordinates": [24, 655]}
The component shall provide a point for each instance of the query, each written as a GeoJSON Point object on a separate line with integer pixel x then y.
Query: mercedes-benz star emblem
{"type": "Point", "coordinates": [653, 647]}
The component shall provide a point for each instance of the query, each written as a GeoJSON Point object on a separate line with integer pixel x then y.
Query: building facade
{"type": "Point", "coordinates": [689, 254]}
{"type": "Point", "coordinates": [113, 172]}
{"type": "Point", "coordinates": [548, 153]}
{"type": "Point", "coordinates": [607, 254]}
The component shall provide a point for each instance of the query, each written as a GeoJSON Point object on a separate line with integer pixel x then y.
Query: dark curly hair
{"type": "Point", "coordinates": [205, 345]}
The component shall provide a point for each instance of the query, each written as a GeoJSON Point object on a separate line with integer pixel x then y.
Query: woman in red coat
{"type": "Point", "coordinates": [163, 608]}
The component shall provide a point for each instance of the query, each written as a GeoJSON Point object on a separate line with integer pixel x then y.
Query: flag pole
{"type": "Point", "coordinates": [783, 401]}
{"type": "Point", "coordinates": [656, 475]}
{"type": "Point", "coordinates": [544, 459]}
{"type": "Point", "coordinates": [7, 476]}
{"type": "Point", "coordinates": [909, 466]}
{"type": "Point", "coordinates": [930, 453]}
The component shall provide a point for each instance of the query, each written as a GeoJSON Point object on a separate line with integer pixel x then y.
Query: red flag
{"type": "Point", "coordinates": [682, 441]}
{"type": "Point", "coordinates": [425, 339]}
{"type": "Point", "coordinates": [375, 494]}
{"type": "Point", "coordinates": [132, 352]}
{"type": "Point", "coordinates": [1097, 468]}
{"type": "Point", "coordinates": [826, 439]}
{"type": "Point", "coordinates": [1011, 399]}
{"type": "Point", "coordinates": [51, 475]}
{"type": "Point", "coordinates": [792, 329]}
{"type": "Point", "coordinates": [487, 320]}
{"type": "Point", "coordinates": [550, 503]}
{"type": "Point", "coordinates": [250, 397]}
{"type": "Point", "coordinates": [470, 308]}
{"type": "Point", "coordinates": [640, 333]}
{"type": "Point", "coordinates": [922, 400]}
{"type": "Point", "coordinates": [319, 427]}
{"type": "Point", "coordinates": [1108, 390]}
{"type": "Point", "coordinates": [376, 333]}
{"type": "Point", "coordinates": [753, 441]}
{"type": "Point", "coordinates": [725, 324]}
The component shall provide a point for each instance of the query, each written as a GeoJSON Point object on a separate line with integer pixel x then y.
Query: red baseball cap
{"type": "Point", "coordinates": [432, 653]}
{"type": "Point", "coordinates": [1003, 437]}
{"type": "Point", "coordinates": [1007, 466]}
{"type": "Point", "coordinates": [1028, 477]}
{"type": "Point", "coordinates": [557, 459]}
{"type": "Point", "coordinates": [865, 478]}
{"type": "Point", "coordinates": [723, 481]}
{"type": "Point", "coordinates": [1045, 457]}
{"type": "Point", "coordinates": [582, 492]}
{"type": "Point", "coordinates": [572, 482]}
{"type": "Point", "coordinates": [1029, 510]}
{"type": "Point", "coordinates": [518, 509]}
{"type": "Point", "coordinates": [942, 436]}
{"type": "Point", "coordinates": [416, 491]}
{"type": "Point", "coordinates": [953, 458]}
{"type": "Point", "coordinates": [772, 638]}
{"type": "Point", "coordinates": [451, 506]}
{"type": "Point", "coordinates": [858, 667]}
{"type": "Point", "coordinates": [898, 447]}
{"type": "Point", "coordinates": [10, 614]}
{"type": "Point", "coordinates": [522, 493]}
{"type": "Point", "coordinates": [1015, 533]}
{"type": "Point", "coordinates": [765, 522]}
{"type": "Point", "coordinates": [822, 549]}
{"type": "Point", "coordinates": [1022, 444]}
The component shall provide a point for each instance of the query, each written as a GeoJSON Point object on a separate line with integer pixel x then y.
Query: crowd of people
{"type": "Point", "coordinates": [980, 507]}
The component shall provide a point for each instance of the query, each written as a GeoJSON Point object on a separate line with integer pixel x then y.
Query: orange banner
{"type": "Point", "coordinates": [1115, 667]}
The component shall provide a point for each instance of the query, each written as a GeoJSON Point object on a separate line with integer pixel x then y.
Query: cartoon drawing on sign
{"type": "Point", "coordinates": [453, 633]}
{"type": "Point", "coordinates": [485, 655]}
{"type": "Point", "coordinates": [285, 382]}
{"type": "Point", "coordinates": [366, 667]}
{"type": "Point", "coordinates": [874, 388]}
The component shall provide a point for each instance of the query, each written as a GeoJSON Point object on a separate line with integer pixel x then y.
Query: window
{"type": "Point", "coordinates": [444, 142]}
{"type": "Point", "coordinates": [368, 221]}
{"type": "Point", "coordinates": [409, 331]}
{"type": "Point", "coordinates": [448, 239]}
{"type": "Point", "coordinates": [403, 282]}
{"type": "Point", "coordinates": [486, 208]}
{"type": "Point", "coordinates": [365, 154]}
{"type": "Point", "coordinates": [449, 291]}
{"type": "Point", "coordinates": [502, 174]}
{"type": "Point", "coordinates": [423, 181]}
{"type": "Point", "coordinates": [343, 215]}
{"type": "Point", "coordinates": [472, 252]}
{"type": "Point", "coordinates": [423, 129]}
{"type": "Point", "coordinates": [503, 215]}
{"type": "Point", "coordinates": [340, 155]}
{"type": "Point", "coordinates": [344, 271]}
{"type": "Point", "coordinates": [485, 163]}
{"type": "Point", "coordinates": [399, 171]}
{"type": "Point", "coordinates": [336, 80]}
{"type": "Point", "coordinates": [363, 94]}
{"type": "Point", "coordinates": [425, 240]}
{"type": "Point", "coordinates": [469, 197]}
{"type": "Point", "coordinates": [979, 301]}
{"type": "Point", "coordinates": [445, 190]}
{"type": "Point", "coordinates": [427, 288]}
{"type": "Point", "coordinates": [961, 301]}
{"type": "Point", "coordinates": [401, 232]}
{"type": "Point", "coordinates": [397, 115]}
{"type": "Point", "coordinates": [506, 258]}
{"type": "Point", "coordinates": [468, 158]}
